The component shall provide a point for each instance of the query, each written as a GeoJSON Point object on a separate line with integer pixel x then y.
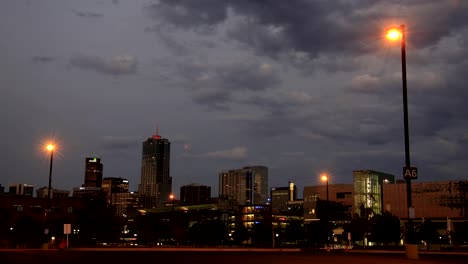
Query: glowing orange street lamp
{"type": "Point", "coordinates": [394, 34]}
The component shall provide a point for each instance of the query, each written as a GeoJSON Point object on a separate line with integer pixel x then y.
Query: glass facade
{"type": "Point", "coordinates": [368, 189]}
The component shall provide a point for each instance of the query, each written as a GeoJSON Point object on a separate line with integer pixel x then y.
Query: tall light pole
{"type": "Point", "coordinates": [324, 178]}
{"type": "Point", "coordinates": [50, 148]}
{"type": "Point", "coordinates": [409, 172]}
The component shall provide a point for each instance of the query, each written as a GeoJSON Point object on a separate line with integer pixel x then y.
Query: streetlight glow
{"type": "Point", "coordinates": [324, 178]}
{"type": "Point", "coordinates": [171, 196]}
{"type": "Point", "coordinates": [393, 34]}
{"type": "Point", "coordinates": [50, 147]}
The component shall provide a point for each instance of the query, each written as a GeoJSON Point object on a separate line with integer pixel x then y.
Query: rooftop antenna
{"type": "Point", "coordinates": [157, 136]}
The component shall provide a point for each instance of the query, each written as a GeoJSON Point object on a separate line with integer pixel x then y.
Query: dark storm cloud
{"type": "Point", "coordinates": [115, 143]}
{"type": "Point", "coordinates": [118, 65]}
{"type": "Point", "coordinates": [314, 27]}
{"type": "Point", "coordinates": [189, 14]}
{"type": "Point", "coordinates": [87, 14]}
{"type": "Point", "coordinates": [42, 59]}
{"type": "Point", "coordinates": [215, 85]}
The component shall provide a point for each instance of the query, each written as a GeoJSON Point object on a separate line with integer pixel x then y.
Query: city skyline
{"type": "Point", "coordinates": [302, 88]}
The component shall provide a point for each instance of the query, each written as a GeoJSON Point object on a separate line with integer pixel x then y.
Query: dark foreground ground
{"type": "Point", "coordinates": [135, 256]}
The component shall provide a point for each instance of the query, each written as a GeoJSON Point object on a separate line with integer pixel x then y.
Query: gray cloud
{"type": "Point", "coordinates": [187, 14]}
{"type": "Point", "coordinates": [316, 27]}
{"type": "Point", "coordinates": [117, 65]}
{"type": "Point", "coordinates": [214, 85]}
{"type": "Point", "coordinates": [236, 153]}
{"type": "Point", "coordinates": [116, 143]}
{"type": "Point", "coordinates": [42, 59]}
{"type": "Point", "coordinates": [87, 14]}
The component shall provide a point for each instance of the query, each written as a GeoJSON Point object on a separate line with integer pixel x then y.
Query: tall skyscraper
{"type": "Point", "coordinates": [156, 182]}
{"type": "Point", "coordinates": [246, 186]}
{"type": "Point", "coordinates": [93, 172]}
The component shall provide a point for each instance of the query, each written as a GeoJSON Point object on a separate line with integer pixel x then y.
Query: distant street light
{"type": "Point", "coordinates": [396, 34]}
{"type": "Point", "coordinates": [324, 178]}
{"type": "Point", "coordinates": [50, 148]}
{"type": "Point", "coordinates": [172, 197]}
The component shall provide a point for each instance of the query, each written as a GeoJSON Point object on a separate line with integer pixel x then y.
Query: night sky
{"type": "Point", "coordinates": [299, 86]}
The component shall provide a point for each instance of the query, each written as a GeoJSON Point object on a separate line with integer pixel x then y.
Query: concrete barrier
{"type": "Point", "coordinates": [412, 251]}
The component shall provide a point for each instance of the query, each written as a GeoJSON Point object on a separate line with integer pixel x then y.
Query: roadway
{"type": "Point", "coordinates": [218, 256]}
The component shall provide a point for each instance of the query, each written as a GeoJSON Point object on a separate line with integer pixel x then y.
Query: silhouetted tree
{"type": "Point", "coordinates": [208, 233]}
{"type": "Point", "coordinates": [96, 222]}
{"type": "Point", "coordinates": [428, 232]}
{"type": "Point", "coordinates": [360, 224]}
{"type": "Point", "coordinates": [240, 234]}
{"type": "Point", "coordinates": [262, 235]}
{"type": "Point", "coordinates": [385, 229]}
{"type": "Point", "coordinates": [295, 231]}
{"type": "Point", "coordinates": [27, 233]}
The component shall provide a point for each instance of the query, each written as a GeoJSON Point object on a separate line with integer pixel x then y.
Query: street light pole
{"type": "Point", "coordinates": [327, 192]}
{"type": "Point", "coordinates": [409, 232]}
{"type": "Point", "coordinates": [172, 200]}
{"type": "Point", "coordinates": [50, 147]}
{"type": "Point", "coordinates": [325, 179]}
{"type": "Point", "coordinates": [406, 127]}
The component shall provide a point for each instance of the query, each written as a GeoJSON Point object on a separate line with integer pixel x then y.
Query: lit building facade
{"type": "Point", "coordinates": [195, 194]}
{"type": "Point", "coordinates": [281, 196]}
{"type": "Point", "coordinates": [88, 192]}
{"type": "Point", "coordinates": [368, 189]}
{"type": "Point", "coordinates": [117, 193]}
{"type": "Point", "coordinates": [246, 186]}
{"type": "Point", "coordinates": [156, 182]}
{"type": "Point", "coordinates": [442, 199]}
{"type": "Point", "coordinates": [340, 193]}
{"type": "Point", "coordinates": [93, 172]}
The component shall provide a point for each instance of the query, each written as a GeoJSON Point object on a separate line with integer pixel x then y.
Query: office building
{"type": "Point", "coordinates": [117, 193]}
{"type": "Point", "coordinates": [21, 189]}
{"type": "Point", "coordinates": [246, 186]}
{"type": "Point", "coordinates": [2, 189]}
{"type": "Point", "coordinates": [155, 183]}
{"type": "Point", "coordinates": [93, 172]}
{"type": "Point", "coordinates": [340, 193]}
{"type": "Point", "coordinates": [54, 193]}
{"type": "Point", "coordinates": [368, 189]}
{"type": "Point", "coordinates": [194, 194]}
{"type": "Point", "coordinates": [281, 196]}
{"type": "Point", "coordinates": [112, 185]}
{"type": "Point", "coordinates": [89, 193]}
